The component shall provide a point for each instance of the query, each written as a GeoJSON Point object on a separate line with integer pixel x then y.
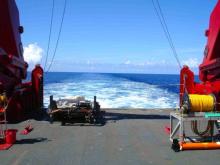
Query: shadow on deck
{"type": "Point", "coordinates": [109, 116]}
{"type": "Point", "coordinates": [32, 141]}
{"type": "Point", "coordinates": [127, 116]}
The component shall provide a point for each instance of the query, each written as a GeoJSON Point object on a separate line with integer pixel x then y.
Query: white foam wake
{"type": "Point", "coordinates": [114, 93]}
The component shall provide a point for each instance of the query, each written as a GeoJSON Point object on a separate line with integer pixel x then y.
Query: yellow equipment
{"type": "Point", "coordinates": [3, 99]}
{"type": "Point", "coordinates": [198, 103]}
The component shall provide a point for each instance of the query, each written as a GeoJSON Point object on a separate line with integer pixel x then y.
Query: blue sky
{"type": "Point", "coordinates": [116, 35]}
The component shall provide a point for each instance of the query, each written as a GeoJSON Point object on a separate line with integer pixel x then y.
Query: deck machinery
{"type": "Point", "coordinates": [16, 98]}
{"type": "Point", "coordinates": [200, 102]}
{"type": "Point", "coordinates": [75, 110]}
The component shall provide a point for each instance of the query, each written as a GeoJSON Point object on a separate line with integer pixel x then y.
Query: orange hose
{"type": "Point", "coordinates": [200, 146]}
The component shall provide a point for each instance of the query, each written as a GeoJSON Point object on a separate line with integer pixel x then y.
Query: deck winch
{"type": "Point", "coordinates": [75, 110]}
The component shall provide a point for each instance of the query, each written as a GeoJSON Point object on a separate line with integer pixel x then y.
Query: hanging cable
{"type": "Point", "coordinates": [58, 38]}
{"type": "Point", "coordinates": [51, 26]}
{"type": "Point", "coordinates": [162, 20]}
{"type": "Point", "coordinates": [171, 41]}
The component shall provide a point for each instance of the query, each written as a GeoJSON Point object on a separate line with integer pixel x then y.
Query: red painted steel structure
{"type": "Point", "coordinates": [209, 69]}
{"type": "Point", "coordinates": [22, 97]}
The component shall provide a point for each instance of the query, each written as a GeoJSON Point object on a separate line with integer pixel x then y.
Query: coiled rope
{"type": "Point", "coordinates": [201, 103]}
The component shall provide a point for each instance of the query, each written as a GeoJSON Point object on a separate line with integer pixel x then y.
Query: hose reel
{"type": "Point", "coordinates": [198, 103]}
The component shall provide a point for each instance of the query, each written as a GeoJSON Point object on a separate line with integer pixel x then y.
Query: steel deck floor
{"type": "Point", "coordinates": [128, 137]}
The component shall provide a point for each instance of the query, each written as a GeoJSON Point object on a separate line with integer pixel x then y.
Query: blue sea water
{"type": "Point", "coordinates": [115, 90]}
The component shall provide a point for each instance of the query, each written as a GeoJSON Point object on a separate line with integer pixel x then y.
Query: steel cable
{"type": "Point", "coordinates": [59, 34]}
{"type": "Point", "coordinates": [50, 31]}
{"type": "Point", "coordinates": [162, 20]}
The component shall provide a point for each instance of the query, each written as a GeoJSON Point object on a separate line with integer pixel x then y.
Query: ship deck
{"type": "Point", "coordinates": [127, 137]}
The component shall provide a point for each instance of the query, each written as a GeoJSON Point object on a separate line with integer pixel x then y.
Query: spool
{"type": "Point", "coordinates": [199, 103]}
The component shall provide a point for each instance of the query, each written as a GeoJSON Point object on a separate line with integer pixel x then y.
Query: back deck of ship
{"type": "Point", "coordinates": [127, 137]}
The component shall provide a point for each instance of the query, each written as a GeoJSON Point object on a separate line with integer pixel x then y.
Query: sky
{"type": "Point", "coordinates": [116, 36]}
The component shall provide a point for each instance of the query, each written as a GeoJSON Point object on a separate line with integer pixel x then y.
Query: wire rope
{"type": "Point", "coordinates": [163, 23]}
{"type": "Point", "coordinates": [58, 38]}
{"type": "Point", "coordinates": [50, 31]}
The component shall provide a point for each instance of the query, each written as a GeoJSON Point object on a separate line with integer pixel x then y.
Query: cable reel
{"type": "Point", "coordinates": [198, 103]}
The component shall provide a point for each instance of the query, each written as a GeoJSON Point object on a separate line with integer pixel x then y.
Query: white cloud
{"type": "Point", "coordinates": [146, 63]}
{"type": "Point", "coordinates": [127, 62]}
{"type": "Point", "coordinates": [191, 62]}
{"type": "Point", "coordinates": [33, 54]}
{"type": "Point", "coordinates": [88, 62]}
{"type": "Point", "coordinates": [149, 63]}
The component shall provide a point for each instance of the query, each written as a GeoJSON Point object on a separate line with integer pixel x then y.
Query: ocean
{"type": "Point", "coordinates": [115, 90]}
